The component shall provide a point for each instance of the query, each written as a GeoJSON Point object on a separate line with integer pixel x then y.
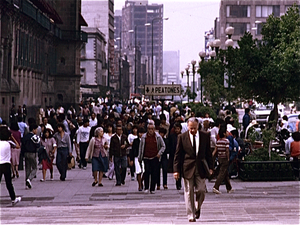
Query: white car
{"type": "Point", "coordinates": [292, 119]}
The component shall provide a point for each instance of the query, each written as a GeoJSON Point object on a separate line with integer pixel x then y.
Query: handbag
{"type": "Point", "coordinates": [206, 168]}
{"type": "Point", "coordinates": [71, 162]}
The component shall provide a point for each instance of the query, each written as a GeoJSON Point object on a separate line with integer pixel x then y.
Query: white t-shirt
{"type": "Point", "coordinates": [131, 137]}
{"type": "Point", "coordinates": [5, 152]}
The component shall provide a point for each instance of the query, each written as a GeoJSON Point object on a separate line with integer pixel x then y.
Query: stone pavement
{"type": "Point", "coordinates": [75, 201]}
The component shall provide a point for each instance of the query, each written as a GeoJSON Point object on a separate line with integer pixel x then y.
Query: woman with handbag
{"type": "Point", "coordinates": [97, 150]}
{"type": "Point", "coordinates": [50, 145]}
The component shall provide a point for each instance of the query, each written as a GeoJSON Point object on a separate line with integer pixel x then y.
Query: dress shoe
{"type": "Point", "coordinates": [197, 214]}
{"type": "Point", "coordinates": [118, 184]}
{"type": "Point", "coordinates": [192, 220]}
{"type": "Point", "coordinates": [216, 191]}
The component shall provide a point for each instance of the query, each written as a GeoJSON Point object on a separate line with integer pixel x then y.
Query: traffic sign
{"type": "Point", "coordinates": [163, 89]}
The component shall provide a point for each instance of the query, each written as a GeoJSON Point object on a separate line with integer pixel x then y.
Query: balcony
{"type": "Point", "coordinates": [74, 35]}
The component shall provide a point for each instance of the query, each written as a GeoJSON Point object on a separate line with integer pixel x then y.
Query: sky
{"type": "Point", "coordinates": [188, 20]}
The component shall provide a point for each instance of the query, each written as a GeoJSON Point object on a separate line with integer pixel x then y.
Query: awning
{"type": "Point", "coordinates": [48, 9]}
{"type": "Point", "coordinates": [82, 21]}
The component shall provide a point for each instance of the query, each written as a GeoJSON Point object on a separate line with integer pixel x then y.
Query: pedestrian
{"type": "Point", "coordinates": [117, 153]}
{"type": "Point", "coordinates": [110, 132]}
{"type": "Point", "coordinates": [50, 147]}
{"type": "Point", "coordinates": [15, 152]}
{"type": "Point", "coordinates": [163, 163]}
{"type": "Point", "coordinates": [246, 120]}
{"type": "Point", "coordinates": [30, 143]}
{"type": "Point", "coordinates": [172, 148]}
{"type": "Point", "coordinates": [63, 150]}
{"type": "Point", "coordinates": [82, 140]}
{"type": "Point", "coordinates": [131, 137]}
{"type": "Point", "coordinates": [222, 151]}
{"type": "Point", "coordinates": [5, 156]}
{"type": "Point", "coordinates": [193, 148]}
{"type": "Point", "coordinates": [295, 153]}
{"type": "Point", "coordinates": [133, 155]}
{"type": "Point", "coordinates": [97, 150]}
{"type": "Point", "coordinates": [152, 146]}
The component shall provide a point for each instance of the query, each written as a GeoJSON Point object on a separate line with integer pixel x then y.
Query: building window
{"type": "Point", "coordinates": [266, 10]}
{"type": "Point", "coordinates": [238, 11]}
{"type": "Point", "coordinates": [240, 28]}
{"type": "Point", "coordinates": [3, 101]}
{"type": "Point", "coordinates": [259, 28]}
{"type": "Point", "coordinates": [60, 97]}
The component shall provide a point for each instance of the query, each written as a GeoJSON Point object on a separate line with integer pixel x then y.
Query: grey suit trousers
{"type": "Point", "coordinates": [195, 185]}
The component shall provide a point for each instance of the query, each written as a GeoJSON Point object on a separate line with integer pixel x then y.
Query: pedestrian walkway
{"type": "Point", "coordinates": [75, 201]}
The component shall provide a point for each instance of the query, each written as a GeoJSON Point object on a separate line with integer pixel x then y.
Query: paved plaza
{"type": "Point", "coordinates": [75, 201]}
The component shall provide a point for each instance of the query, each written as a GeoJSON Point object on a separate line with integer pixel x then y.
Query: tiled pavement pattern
{"type": "Point", "coordinates": [75, 201]}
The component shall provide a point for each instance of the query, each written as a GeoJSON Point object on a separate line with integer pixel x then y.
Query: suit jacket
{"type": "Point", "coordinates": [115, 146]}
{"type": "Point", "coordinates": [186, 160]}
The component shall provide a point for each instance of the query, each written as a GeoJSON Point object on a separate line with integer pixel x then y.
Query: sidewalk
{"type": "Point", "coordinates": [76, 201]}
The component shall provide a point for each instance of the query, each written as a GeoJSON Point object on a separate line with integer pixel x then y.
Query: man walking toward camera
{"type": "Point", "coordinates": [152, 146]}
{"type": "Point", "coordinates": [193, 146]}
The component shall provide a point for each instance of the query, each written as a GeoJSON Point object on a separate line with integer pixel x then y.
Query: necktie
{"type": "Point", "coordinates": [194, 143]}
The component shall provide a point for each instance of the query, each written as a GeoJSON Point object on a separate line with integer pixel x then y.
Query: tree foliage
{"type": "Point", "coordinates": [270, 71]}
{"type": "Point", "coordinates": [212, 73]}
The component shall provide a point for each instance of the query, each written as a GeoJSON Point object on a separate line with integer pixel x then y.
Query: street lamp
{"type": "Point", "coordinates": [202, 55]}
{"type": "Point", "coordinates": [229, 44]}
{"type": "Point", "coordinates": [188, 80]}
{"type": "Point", "coordinates": [193, 62]}
{"type": "Point", "coordinates": [148, 24]}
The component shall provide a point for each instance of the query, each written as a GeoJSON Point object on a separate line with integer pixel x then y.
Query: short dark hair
{"type": "Point", "coordinates": [235, 133]}
{"type": "Point", "coordinates": [4, 133]}
{"type": "Point", "coordinates": [33, 127]}
{"type": "Point", "coordinates": [61, 125]}
{"type": "Point", "coordinates": [222, 131]}
{"type": "Point", "coordinates": [162, 117]}
{"type": "Point", "coordinates": [85, 121]}
{"type": "Point", "coordinates": [14, 126]}
{"type": "Point", "coordinates": [141, 130]}
{"type": "Point", "coordinates": [162, 130]}
{"type": "Point", "coordinates": [176, 125]}
{"type": "Point", "coordinates": [247, 110]}
{"type": "Point", "coordinates": [20, 119]}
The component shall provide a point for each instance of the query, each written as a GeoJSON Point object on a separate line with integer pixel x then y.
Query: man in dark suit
{"type": "Point", "coordinates": [118, 145]}
{"type": "Point", "coordinates": [192, 147]}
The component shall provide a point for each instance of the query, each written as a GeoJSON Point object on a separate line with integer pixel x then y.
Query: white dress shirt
{"type": "Point", "coordinates": [197, 141]}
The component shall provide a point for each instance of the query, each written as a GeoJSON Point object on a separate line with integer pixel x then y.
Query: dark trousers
{"type": "Point", "coordinates": [30, 165]}
{"type": "Point", "coordinates": [151, 169]}
{"type": "Point", "coordinates": [83, 147]}
{"type": "Point", "coordinates": [6, 170]}
{"type": "Point", "coordinates": [120, 168]}
{"type": "Point", "coordinates": [223, 174]}
{"type": "Point", "coordinates": [62, 162]}
{"type": "Point", "coordinates": [164, 165]}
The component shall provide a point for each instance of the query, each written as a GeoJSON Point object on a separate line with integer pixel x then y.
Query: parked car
{"type": "Point", "coordinates": [262, 112]}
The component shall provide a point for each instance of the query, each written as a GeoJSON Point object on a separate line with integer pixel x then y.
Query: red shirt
{"type": "Point", "coordinates": [150, 147]}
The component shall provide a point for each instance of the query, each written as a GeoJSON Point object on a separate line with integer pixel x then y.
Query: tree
{"type": "Point", "coordinates": [212, 73]}
{"type": "Point", "coordinates": [270, 71]}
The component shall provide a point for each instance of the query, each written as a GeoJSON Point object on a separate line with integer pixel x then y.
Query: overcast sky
{"type": "Point", "coordinates": [188, 20]}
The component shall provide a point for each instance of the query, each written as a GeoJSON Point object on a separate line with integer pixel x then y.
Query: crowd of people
{"type": "Point", "coordinates": [144, 137]}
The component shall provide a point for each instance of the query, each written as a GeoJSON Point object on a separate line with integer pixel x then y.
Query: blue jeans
{"type": "Point", "coordinates": [61, 161]}
{"type": "Point", "coordinates": [120, 173]}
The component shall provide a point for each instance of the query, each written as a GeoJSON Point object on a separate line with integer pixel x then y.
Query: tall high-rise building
{"type": "Point", "coordinates": [135, 14]}
{"type": "Point", "coordinates": [100, 14]}
{"type": "Point", "coordinates": [248, 16]}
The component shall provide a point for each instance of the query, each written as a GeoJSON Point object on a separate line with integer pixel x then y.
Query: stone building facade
{"type": "Point", "coordinates": [40, 54]}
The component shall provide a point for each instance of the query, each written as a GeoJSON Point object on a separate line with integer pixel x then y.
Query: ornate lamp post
{"type": "Point", "coordinates": [188, 80]}
{"type": "Point", "coordinates": [229, 44]}
{"type": "Point", "coordinates": [193, 62]}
